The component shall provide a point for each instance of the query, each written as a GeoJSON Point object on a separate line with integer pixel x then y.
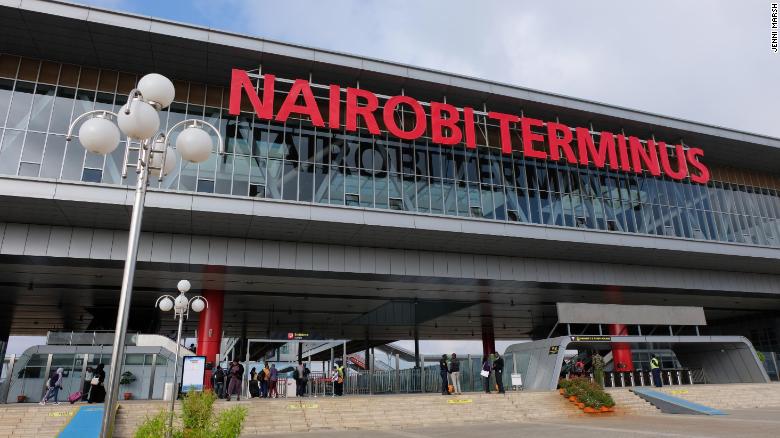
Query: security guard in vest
{"type": "Point", "coordinates": [655, 368]}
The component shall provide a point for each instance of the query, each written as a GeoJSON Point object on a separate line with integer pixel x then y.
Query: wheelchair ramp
{"type": "Point", "coordinates": [674, 405]}
{"type": "Point", "coordinates": [85, 424]}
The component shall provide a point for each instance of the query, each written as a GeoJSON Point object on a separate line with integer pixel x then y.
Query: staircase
{"type": "Point", "coordinates": [628, 403]}
{"type": "Point", "coordinates": [33, 421]}
{"type": "Point", "coordinates": [729, 396]}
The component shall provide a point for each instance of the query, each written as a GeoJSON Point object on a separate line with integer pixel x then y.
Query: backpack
{"type": "Point", "coordinates": [295, 374]}
{"type": "Point", "coordinates": [52, 378]}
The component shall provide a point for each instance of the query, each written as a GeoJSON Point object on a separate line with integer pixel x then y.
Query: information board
{"type": "Point", "coordinates": [193, 371]}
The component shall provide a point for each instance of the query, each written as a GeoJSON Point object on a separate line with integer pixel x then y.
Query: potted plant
{"type": "Point", "coordinates": [125, 379]}
{"type": "Point", "coordinates": [21, 398]}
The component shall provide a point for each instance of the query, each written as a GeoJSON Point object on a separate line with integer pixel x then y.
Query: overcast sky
{"type": "Point", "coordinates": [704, 61]}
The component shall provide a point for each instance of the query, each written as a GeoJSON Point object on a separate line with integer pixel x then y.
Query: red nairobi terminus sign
{"type": "Point", "coordinates": [450, 125]}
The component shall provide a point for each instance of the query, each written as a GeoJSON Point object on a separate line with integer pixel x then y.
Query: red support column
{"type": "Point", "coordinates": [210, 329]}
{"type": "Point", "coordinates": [621, 351]}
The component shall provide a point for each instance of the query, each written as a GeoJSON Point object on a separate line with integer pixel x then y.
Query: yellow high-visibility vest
{"type": "Point", "coordinates": [654, 363]}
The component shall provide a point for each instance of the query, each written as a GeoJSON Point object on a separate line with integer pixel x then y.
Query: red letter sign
{"type": "Point", "coordinates": [557, 143]}
{"type": "Point", "coordinates": [599, 157]}
{"type": "Point", "coordinates": [682, 166]}
{"type": "Point", "coordinates": [309, 107]}
{"type": "Point", "coordinates": [529, 137]}
{"type": "Point", "coordinates": [640, 155]}
{"type": "Point", "coordinates": [451, 122]}
{"type": "Point", "coordinates": [240, 81]}
{"type": "Point", "coordinates": [703, 175]}
{"type": "Point", "coordinates": [367, 111]}
{"type": "Point", "coordinates": [503, 125]}
{"type": "Point", "coordinates": [392, 126]}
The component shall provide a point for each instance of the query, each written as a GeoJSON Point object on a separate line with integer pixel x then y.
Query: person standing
{"type": "Point", "coordinates": [265, 379]}
{"type": "Point", "coordinates": [97, 392]}
{"type": "Point", "coordinates": [338, 387]}
{"type": "Point", "coordinates": [455, 373]}
{"type": "Point", "coordinates": [53, 386]}
{"type": "Point", "coordinates": [234, 387]}
{"type": "Point", "coordinates": [300, 379]}
{"type": "Point", "coordinates": [219, 382]}
{"type": "Point", "coordinates": [485, 373]}
{"type": "Point", "coordinates": [498, 371]}
{"type": "Point", "coordinates": [443, 371]}
{"type": "Point", "coordinates": [655, 369]}
{"type": "Point", "coordinates": [254, 388]}
{"type": "Point", "coordinates": [273, 379]}
{"type": "Point", "coordinates": [87, 384]}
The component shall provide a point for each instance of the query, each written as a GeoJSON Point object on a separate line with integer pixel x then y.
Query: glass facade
{"type": "Point", "coordinates": [295, 161]}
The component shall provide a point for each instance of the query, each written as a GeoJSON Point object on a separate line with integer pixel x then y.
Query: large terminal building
{"type": "Point", "coordinates": [361, 199]}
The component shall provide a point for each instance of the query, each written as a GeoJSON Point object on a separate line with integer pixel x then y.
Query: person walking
{"type": "Point", "coordinates": [53, 386]}
{"type": "Point", "coordinates": [234, 387]}
{"type": "Point", "coordinates": [87, 384]}
{"type": "Point", "coordinates": [254, 388]}
{"type": "Point", "coordinates": [455, 373]}
{"type": "Point", "coordinates": [443, 371]}
{"type": "Point", "coordinates": [655, 369]}
{"type": "Point", "coordinates": [265, 379]}
{"type": "Point", "coordinates": [334, 377]}
{"type": "Point", "coordinates": [219, 382]}
{"type": "Point", "coordinates": [97, 392]}
{"type": "Point", "coordinates": [273, 379]}
{"type": "Point", "coordinates": [498, 371]}
{"type": "Point", "coordinates": [485, 373]}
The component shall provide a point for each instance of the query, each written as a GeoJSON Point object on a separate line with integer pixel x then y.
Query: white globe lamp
{"type": "Point", "coordinates": [166, 304]}
{"type": "Point", "coordinates": [194, 144]}
{"type": "Point", "coordinates": [184, 286]}
{"type": "Point", "coordinates": [181, 303]}
{"type": "Point", "coordinates": [99, 135]}
{"type": "Point", "coordinates": [157, 88]}
{"type": "Point", "coordinates": [142, 122]}
{"type": "Point", "coordinates": [198, 305]}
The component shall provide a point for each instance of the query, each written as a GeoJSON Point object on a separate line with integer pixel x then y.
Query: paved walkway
{"type": "Point", "coordinates": [741, 423]}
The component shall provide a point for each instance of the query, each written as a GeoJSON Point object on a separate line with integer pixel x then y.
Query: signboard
{"type": "Point", "coordinates": [553, 350]}
{"type": "Point", "coordinates": [517, 379]}
{"type": "Point", "coordinates": [597, 338]}
{"type": "Point", "coordinates": [448, 125]}
{"type": "Point", "coordinates": [296, 336]}
{"type": "Point", "coordinates": [192, 373]}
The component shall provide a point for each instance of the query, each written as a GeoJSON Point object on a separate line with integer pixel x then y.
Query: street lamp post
{"type": "Point", "coordinates": [181, 306]}
{"type": "Point", "coordinates": [139, 120]}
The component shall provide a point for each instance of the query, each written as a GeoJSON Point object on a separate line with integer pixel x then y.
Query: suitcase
{"type": "Point", "coordinates": [450, 388]}
{"type": "Point", "coordinates": [74, 397]}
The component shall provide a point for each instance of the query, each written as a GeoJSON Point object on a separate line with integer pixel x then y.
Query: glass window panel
{"type": "Point", "coordinates": [240, 183]}
{"type": "Point", "coordinates": [366, 190]}
{"type": "Point", "coordinates": [381, 190]}
{"type": "Point", "coordinates": [290, 190]}
{"type": "Point", "coordinates": [437, 201]}
{"type": "Point", "coordinates": [33, 147]}
{"type": "Point", "coordinates": [462, 194]}
{"type": "Point", "coordinates": [21, 102]}
{"type": "Point", "coordinates": [29, 169]}
{"type": "Point", "coordinates": [10, 151]}
{"type": "Point", "coordinates": [336, 185]}
{"type": "Point", "coordinates": [274, 175]}
{"type": "Point", "coordinates": [92, 175]}
{"type": "Point", "coordinates": [63, 106]}
{"type": "Point", "coordinates": [306, 183]}
{"type": "Point", "coordinates": [224, 174]}
{"type": "Point", "coordinates": [6, 87]}
{"type": "Point", "coordinates": [205, 186]}
{"type": "Point", "coordinates": [423, 195]}
{"type": "Point", "coordinates": [41, 108]}
{"type": "Point", "coordinates": [321, 186]}
{"type": "Point", "coordinates": [85, 101]}
{"type": "Point", "coordinates": [188, 176]}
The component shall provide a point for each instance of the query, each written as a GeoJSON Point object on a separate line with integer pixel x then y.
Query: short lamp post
{"type": "Point", "coordinates": [139, 121]}
{"type": "Point", "coordinates": [181, 306]}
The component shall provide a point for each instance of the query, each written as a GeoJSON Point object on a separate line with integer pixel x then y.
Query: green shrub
{"type": "Point", "coordinates": [587, 392]}
{"type": "Point", "coordinates": [229, 422]}
{"type": "Point", "coordinates": [153, 427]}
{"type": "Point", "coordinates": [198, 420]}
{"type": "Point", "coordinates": [197, 409]}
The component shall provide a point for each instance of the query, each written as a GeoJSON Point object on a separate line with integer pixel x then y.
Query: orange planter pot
{"type": "Point", "coordinates": [560, 391]}
{"type": "Point", "coordinates": [604, 409]}
{"type": "Point", "coordinates": [590, 410]}
{"type": "Point", "coordinates": [581, 405]}
{"type": "Point", "coordinates": [573, 399]}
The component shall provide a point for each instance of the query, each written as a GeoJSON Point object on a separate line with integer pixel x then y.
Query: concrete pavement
{"type": "Point", "coordinates": [742, 423]}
